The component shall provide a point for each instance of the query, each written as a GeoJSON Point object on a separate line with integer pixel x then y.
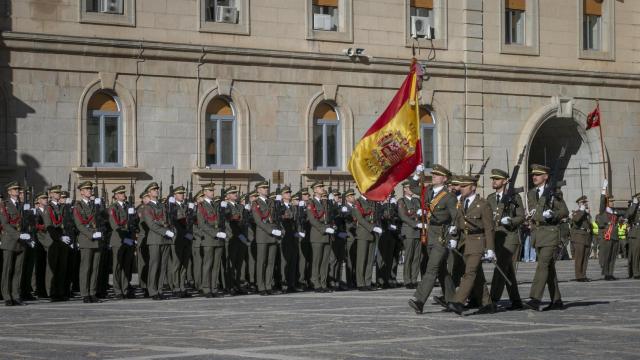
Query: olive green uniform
{"type": "Point", "coordinates": [581, 231]}
{"type": "Point", "coordinates": [634, 240]}
{"type": "Point", "coordinates": [212, 246]}
{"type": "Point", "coordinates": [408, 209]}
{"type": "Point", "coordinates": [12, 250]}
{"type": "Point", "coordinates": [159, 245]}
{"type": "Point", "coordinates": [57, 251]}
{"type": "Point", "coordinates": [122, 246]}
{"type": "Point", "coordinates": [608, 236]}
{"type": "Point", "coordinates": [235, 247]}
{"type": "Point", "coordinates": [266, 243]}
{"type": "Point", "coordinates": [84, 218]}
{"type": "Point", "coordinates": [181, 248]}
{"type": "Point", "coordinates": [289, 247]}
{"type": "Point", "coordinates": [364, 213]}
{"type": "Point", "coordinates": [142, 253]}
{"type": "Point", "coordinates": [318, 212]}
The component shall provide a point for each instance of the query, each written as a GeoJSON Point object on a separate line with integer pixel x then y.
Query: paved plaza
{"type": "Point", "coordinates": [602, 321]}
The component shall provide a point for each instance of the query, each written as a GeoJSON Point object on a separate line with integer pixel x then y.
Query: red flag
{"type": "Point", "coordinates": [593, 119]}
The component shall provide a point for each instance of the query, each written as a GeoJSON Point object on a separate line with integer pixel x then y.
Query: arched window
{"type": "Point", "coordinates": [428, 134]}
{"type": "Point", "coordinates": [104, 130]}
{"type": "Point", "coordinates": [326, 137]}
{"type": "Point", "coordinates": [220, 134]}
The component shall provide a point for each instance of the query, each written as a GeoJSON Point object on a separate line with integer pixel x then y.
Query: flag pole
{"type": "Point", "coordinates": [604, 164]}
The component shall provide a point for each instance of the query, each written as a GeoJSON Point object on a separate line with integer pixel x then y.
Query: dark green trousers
{"type": "Point", "coordinates": [55, 277]}
{"type": "Point", "coordinates": [545, 275]}
{"type": "Point", "coordinates": [320, 264]}
{"type": "Point", "coordinates": [504, 255]}
{"type": "Point", "coordinates": [364, 262]}
{"type": "Point", "coordinates": [211, 265]}
{"type": "Point", "coordinates": [158, 263]}
{"type": "Point", "coordinates": [181, 256]}
{"type": "Point", "coordinates": [89, 269]}
{"type": "Point", "coordinates": [12, 265]}
{"type": "Point", "coordinates": [121, 270]}
{"type": "Point", "coordinates": [436, 269]}
{"type": "Point", "coordinates": [412, 254]}
{"type": "Point", "coordinates": [266, 260]}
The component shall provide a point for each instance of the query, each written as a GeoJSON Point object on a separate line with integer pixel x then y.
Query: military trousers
{"type": "Point", "coordinates": [121, 270]}
{"type": "Point", "coordinates": [608, 253]}
{"type": "Point", "coordinates": [252, 255]}
{"type": "Point", "coordinates": [412, 254]}
{"type": "Point", "coordinates": [384, 258]}
{"type": "Point", "coordinates": [55, 277]}
{"type": "Point", "coordinates": [436, 269]}
{"type": "Point", "coordinates": [336, 259]}
{"type": "Point", "coordinates": [364, 262]}
{"type": "Point", "coordinates": [235, 255]}
{"type": "Point", "coordinates": [181, 256]}
{"type": "Point", "coordinates": [89, 269]}
{"type": "Point", "coordinates": [634, 257]}
{"type": "Point", "coordinates": [142, 264]}
{"type": "Point", "coordinates": [211, 265]}
{"type": "Point", "coordinates": [351, 259]}
{"type": "Point", "coordinates": [265, 264]}
{"type": "Point", "coordinates": [581, 258]}
{"type": "Point", "coordinates": [304, 261]}
{"type": "Point", "coordinates": [505, 254]}
{"type": "Point", "coordinates": [289, 260]}
{"type": "Point", "coordinates": [321, 253]}
{"type": "Point", "coordinates": [473, 281]}
{"type": "Point", "coordinates": [545, 275]}
{"type": "Point", "coordinates": [12, 265]}
{"type": "Point", "coordinates": [196, 259]}
{"type": "Point", "coordinates": [158, 263]}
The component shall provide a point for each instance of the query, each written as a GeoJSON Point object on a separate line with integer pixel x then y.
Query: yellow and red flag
{"type": "Point", "coordinates": [390, 150]}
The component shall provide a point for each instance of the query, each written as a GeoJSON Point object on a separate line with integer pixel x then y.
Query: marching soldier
{"type": "Point", "coordinates": [581, 238]}
{"type": "Point", "coordinates": [507, 238]}
{"type": "Point", "coordinates": [441, 205]}
{"type": "Point", "coordinates": [364, 213]}
{"type": "Point", "coordinates": [475, 223]}
{"type": "Point", "coordinates": [159, 239]}
{"type": "Point", "coordinates": [122, 243]}
{"type": "Point", "coordinates": [545, 234]}
{"type": "Point", "coordinates": [196, 246]}
{"type": "Point", "coordinates": [89, 236]}
{"type": "Point", "coordinates": [143, 248]}
{"type": "Point", "coordinates": [14, 241]}
{"type": "Point", "coordinates": [181, 248]}
{"type": "Point", "coordinates": [267, 235]}
{"type": "Point", "coordinates": [634, 238]}
{"type": "Point", "coordinates": [212, 242]}
{"type": "Point", "coordinates": [409, 211]}
{"type": "Point", "coordinates": [607, 220]}
{"type": "Point", "coordinates": [320, 231]}
{"type": "Point", "coordinates": [56, 245]}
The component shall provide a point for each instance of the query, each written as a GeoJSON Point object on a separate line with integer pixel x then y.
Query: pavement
{"type": "Point", "coordinates": [602, 321]}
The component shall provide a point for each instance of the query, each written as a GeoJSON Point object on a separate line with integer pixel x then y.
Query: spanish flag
{"type": "Point", "coordinates": [390, 150]}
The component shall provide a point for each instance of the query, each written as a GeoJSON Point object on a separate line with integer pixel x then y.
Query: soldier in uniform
{"type": "Point", "coordinates": [267, 235]}
{"type": "Point", "coordinates": [304, 256]}
{"type": "Point", "coordinates": [212, 242]}
{"type": "Point", "coordinates": [56, 245]}
{"type": "Point", "coordinates": [236, 240]}
{"type": "Point", "coordinates": [387, 215]}
{"type": "Point", "coordinates": [142, 252]}
{"type": "Point", "coordinates": [122, 243]}
{"type": "Point", "coordinates": [409, 211]}
{"type": "Point", "coordinates": [159, 239]}
{"type": "Point", "coordinates": [72, 273]}
{"type": "Point", "coordinates": [364, 214]}
{"type": "Point", "coordinates": [545, 237]}
{"type": "Point", "coordinates": [89, 237]}
{"type": "Point", "coordinates": [289, 246]}
{"type": "Point", "coordinates": [634, 238]}
{"type": "Point", "coordinates": [507, 238]}
{"type": "Point", "coordinates": [475, 224]}
{"type": "Point", "coordinates": [442, 207]}
{"type": "Point", "coordinates": [250, 254]}
{"type": "Point", "coordinates": [320, 232]}
{"type": "Point", "coordinates": [581, 238]}
{"type": "Point", "coordinates": [196, 246]}
{"type": "Point", "coordinates": [181, 248]}
{"type": "Point", "coordinates": [607, 220]}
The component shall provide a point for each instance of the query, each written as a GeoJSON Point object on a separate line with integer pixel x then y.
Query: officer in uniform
{"type": "Point", "coordinates": [387, 215]}
{"type": "Point", "coordinates": [85, 212]}
{"type": "Point", "coordinates": [289, 246]}
{"type": "Point", "coordinates": [607, 220]}
{"type": "Point", "coordinates": [122, 243]}
{"type": "Point", "coordinates": [267, 236]}
{"type": "Point", "coordinates": [581, 238]}
{"type": "Point", "coordinates": [236, 240]}
{"type": "Point", "coordinates": [181, 248]}
{"type": "Point", "coordinates": [159, 240]}
{"type": "Point", "coordinates": [545, 235]}
{"type": "Point", "coordinates": [72, 273]}
{"type": "Point", "coordinates": [442, 209]}
{"type": "Point", "coordinates": [507, 238]}
{"type": "Point", "coordinates": [320, 232]}
{"type": "Point", "coordinates": [56, 245]}
{"type": "Point", "coordinates": [476, 227]}
{"type": "Point", "coordinates": [196, 246]}
{"type": "Point", "coordinates": [212, 242]}
{"type": "Point", "coordinates": [409, 211]}
{"type": "Point", "coordinates": [249, 257]}
{"type": "Point", "coordinates": [364, 212]}
{"type": "Point", "coordinates": [304, 256]}
{"type": "Point", "coordinates": [142, 252]}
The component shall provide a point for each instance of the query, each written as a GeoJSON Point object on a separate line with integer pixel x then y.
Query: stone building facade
{"type": "Point", "coordinates": [133, 88]}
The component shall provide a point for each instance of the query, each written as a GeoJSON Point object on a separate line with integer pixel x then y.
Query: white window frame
{"type": "Point", "coordinates": [241, 28]}
{"type": "Point", "coordinates": [434, 129]}
{"type": "Point", "coordinates": [219, 119]}
{"type": "Point", "coordinates": [588, 36]}
{"type": "Point", "coordinates": [439, 19]}
{"type": "Point", "coordinates": [607, 33]}
{"type": "Point", "coordinates": [101, 115]}
{"type": "Point", "coordinates": [345, 23]}
{"type": "Point", "coordinates": [325, 148]}
{"type": "Point", "coordinates": [531, 37]}
{"type": "Point", "coordinates": [520, 29]}
{"type": "Point", "coordinates": [127, 18]}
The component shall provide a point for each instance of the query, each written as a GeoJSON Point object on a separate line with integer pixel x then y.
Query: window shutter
{"type": "Point", "coordinates": [102, 102]}
{"type": "Point", "coordinates": [333, 3]}
{"type": "Point", "coordinates": [516, 5]}
{"type": "Point", "coordinates": [325, 112]}
{"type": "Point", "coordinates": [593, 7]}
{"type": "Point", "coordinates": [425, 117]}
{"type": "Point", "coordinates": [219, 107]}
{"type": "Point", "coordinates": [425, 4]}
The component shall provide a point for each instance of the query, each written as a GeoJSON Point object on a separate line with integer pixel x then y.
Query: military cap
{"type": "Point", "coordinates": [272, 195]}
{"type": "Point", "coordinates": [262, 184]}
{"type": "Point", "coordinates": [199, 194]}
{"type": "Point", "coordinates": [13, 185]}
{"type": "Point", "coordinates": [231, 189]}
{"type": "Point", "coordinates": [295, 196]}
{"type": "Point", "coordinates": [64, 194]}
{"type": "Point", "coordinates": [152, 186]}
{"type": "Point", "coordinates": [316, 184]}
{"type": "Point", "coordinates": [581, 199]}
{"type": "Point", "coordinates": [143, 194]}
{"type": "Point", "coordinates": [285, 189]}
{"type": "Point", "coordinates": [350, 192]}
{"type": "Point", "coordinates": [210, 186]}
{"type": "Point", "coordinates": [56, 189]}
{"type": "Point", "coordinates": [499, 174]}
{"type": "Point", "coordinates": [41, 195]}
{"type": "Point", "coordinates": [163, 200]}
{"type": "Point", "coordinates": [467, 180]}
{"type": "Point", "coordinates": [406, 183]}
{"type": "Point", "coordinates": [537, 169]}
{"type": "Point", "coordinates": [119, 190]}
{"type": "Point", "coordinates": [455, 180]}
{"type": "Point", "coordinates": [85, 185]}
{"type": "Point", "coordinates": [253, 194]}
{"type": "Point", "coordinates": [337, 193]}
{"type": "Point", "coordinates": [304, 191]}
{"type": "Point", "coordinates": [179, 190]}
{"type": "Point", "coordinates": [216, 198]}
{"type": "Point", "coordinates": [440, 170]}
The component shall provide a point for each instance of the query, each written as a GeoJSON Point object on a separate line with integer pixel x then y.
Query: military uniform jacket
{"type": "Point", "coordinates": [262, 214]}
{"type": "Point", "coordinates": [208, 224]}
{"type": "Point", "coordinates": [443, 213]}
{"type": "Point", "coordinates": [607, 223]}
{"type": "Point", "coordinates": [364, 214]}
{"type": "Point", "coordinates": [143, 229]}
{"type": "Point", "coordinates": [408, 213]}
{"type": "Point", "coordinates": [155, 218]}
{"type": "Point", "coordinates": [11, 220]}
{"type": "Point", "coordinates": [516, 213]}
{"type": "Point", "coordinates": [197, 234]}
{"type": "Point", "coordinates": [179, 221]}
{"type": "Point", "coordinates": [546, 232]}
{"type": "Point", "coordinates": [634, 221]}
{"type": "Point", "coordinates": [118, 219]}
{"type": "Point", "coordinates": [233, 225]}
{"type": "Point", "coordinates": [476, 227]}
{"type": "Point", "coordinates": [581, 228]}
{"type": "Point", "coordinates": [84, 217]}
{"type": "Point", "coordinates": [318, 216]}
{"type": "Point", "coordinates": [52, 220]}
{"type": "Point", "coordinates": [288, 217]}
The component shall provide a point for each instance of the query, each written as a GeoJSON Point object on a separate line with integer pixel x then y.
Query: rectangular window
{"type": "Point", "coordinates": [325, 144]}
{"type": "Point", "coordinates": [219, 141]}
{"type": "Point", "coordinates": [422, 18]}
{"type": "Point", "coordinates": [325, 15]}
{"type": "Point", "coordinates": [109, 12]}
{"type": "Point", "coordinates": [514, 26]}
{"type": "Point", "coordinates": [106, 6]}
{"type": "Point", "coordinates": [222, 11]}
{"type": "Point", "coordinates": [428, 145]}
{"type": "Point", "coordinates": [592, 32]}
{"type": "Point", "coordinates": [103, 139]}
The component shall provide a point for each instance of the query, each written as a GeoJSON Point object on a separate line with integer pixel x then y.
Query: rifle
{"type": "Point", "coordinates": [132, 221]}
{"type": "Point", "coordinates": [98, 210]}
{"type": "Point", "coordinates": [27, 213]}
{"type": "Point", "coordinates": [507, 202]}
{"type": "Point", "coordinates": [581, 187]}
{"type": "Point", "coordinates": [630, 185]}
{"type": "Point", "coordinates": [424, 237]}
{"type": "Point", "coordinates": [171, 213]}
{"type": "Point", "coordinates": [221, 210]}
{"type": "Point", "coordinates": [483, 167]}
{"type": "Point", "coordinates": [550, 191]}
{"type": "Point", "coordinates": [277, 205]}
{"type": "Point", "coordinates": [635, 189]}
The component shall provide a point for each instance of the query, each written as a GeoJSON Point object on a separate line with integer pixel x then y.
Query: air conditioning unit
{"type": "Point", "coordinates": [110, 6]}
{"type": "Point", "coordinates": [322, 22]}
{"type": "Point", "coordinates": [421, 27]}
{"type": "Point", "coordinates": [226, 14]}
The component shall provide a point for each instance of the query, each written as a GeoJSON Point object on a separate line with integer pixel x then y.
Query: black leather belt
{"type": "Point", "coordinates": [473, 232]}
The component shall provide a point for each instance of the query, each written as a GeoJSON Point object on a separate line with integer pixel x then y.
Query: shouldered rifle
{"type": "Point", "coordinates": [132, 215]}
{"type": "Point", "coordinates": [27, 212]}
{"type": "Point", "coordinates": [277, 204]}
{"type": "Point", "coordinates": [483, 167]}
{"type": "Point", "coordinates": [550, 191]}
{"type": "Point", "coordinates": [222, 212]}
{"type": "Point", "coordinates": [424, 210]}
{"type": "Point", "coordinates": [170, 204]}
{"type": "Point", "coordinates": [98, 210]}
{"type": "Point", "coordinates": [507, 202]}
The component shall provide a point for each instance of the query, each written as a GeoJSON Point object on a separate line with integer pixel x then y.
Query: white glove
{"type": "Point", "coordinates": [32, 244]}
{"type": "Point", "coordinates": [301, 235]}
{"type": "Point", "coordinates": [419, 212]}
{"type": "Point", "coordinates": [25, 237]}
{"type": "Point", "coordinates": [242, 238]}
{"type": "Point", "coordinates": [73, 246]}
{"type": "Point", "coordinates": [188, 236]}
{"type": "Point", "coordinates": [221, 235]}
{"type": "Point", "coordinates": [131, 211]}
{"type": "Point", "coordinates": [605, 183]}
{"type": "Point", "coordinates": [331, 197]}
{"type": "Point", "coordinates": [278, 197]}
{"type": "Point", "coordinates": [582, 208]}
{"type": "Point", "coordinates": [26, 207]}
{"type": "Point", "coordinates": [172, 200]}
{"type": "Point", "coordinates": [191, 206]}
{"type": "Point", "coordinates": [329, 231]}
{"type": "Point", "coordinates": [169, 234]}
{"type": "Point", "coordinates": [635, 200]}
{"type": "Point", "coordinates": [505, 220]}
{"type": "Point", "coordinates": [420, 225]}
{"type": "Point", "coordinates": [223, 204]}
{"type": "Point", "coordinates": [342, 235]}
{"type": "Point", "coordinates": [377, 230]}
{"type": "Point", "coordinates": [97, 235]}
{"type": "Point", "coordinates": [301, 203]}
{"type": "Point", "coordinates": [66, 240]}
{"type": "Point", "coordinates": [547, 214]}
{"type": "Point", "coordinates": [97, 201]}
{"type": "Point", "coordinates": [393, 201]}
{"type": "Point", "coordinates": [34, 211]}
{"type": "Point", "coordinates": [452, 230]}
{"type": "Point", "coordinates": [453, 244]}
{"type": "Point", "coordinates": [419, 168]}
{"type": "Point", "coordinates": [128, 241]}
{"type": "Point", "coordinates": [276, 232]}
{"type": "Point", "coordinates": [393, 227]}
{"type": "Point", "coordinates": [345, 209]}
{"type": "Point", "coordinates": [490, 255]}
{"type": "Point", "coordinates": [247, 207]}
